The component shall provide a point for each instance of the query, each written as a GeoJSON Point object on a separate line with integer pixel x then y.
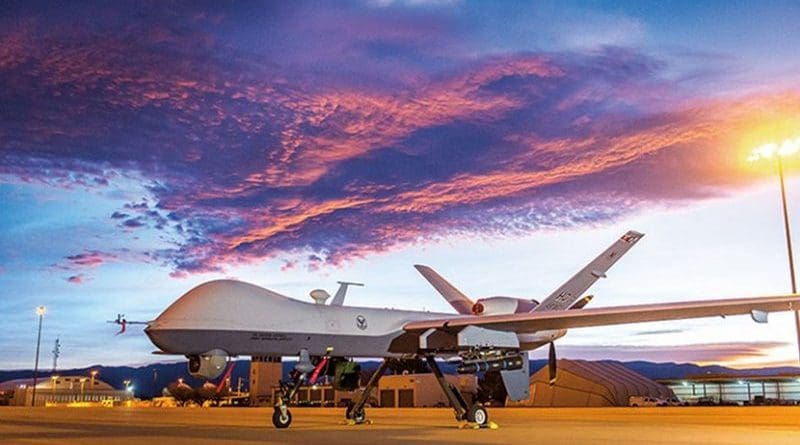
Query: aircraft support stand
{"type": "Point", "coordinates": [475, 414]}
{"type": "Point", "coordinates": [355, 411]}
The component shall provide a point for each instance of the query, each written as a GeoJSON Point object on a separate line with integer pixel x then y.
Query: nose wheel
{"type": "Point", "coordinates": [282, 417]}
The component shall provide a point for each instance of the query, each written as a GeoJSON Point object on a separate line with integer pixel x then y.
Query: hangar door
{"type": "Point", "coordinates": [405, 398]}
{"type": "Point", "coordinates": [387, 398]}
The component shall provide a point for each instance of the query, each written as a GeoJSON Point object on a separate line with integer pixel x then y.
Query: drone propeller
{"type": "Point", "coordinates": [551, 363]}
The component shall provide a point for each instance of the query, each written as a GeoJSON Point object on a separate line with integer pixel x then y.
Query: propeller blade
{"type": "Point", "coordinates": [551, 363]}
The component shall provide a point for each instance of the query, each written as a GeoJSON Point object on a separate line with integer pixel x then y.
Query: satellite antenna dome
{"type": "Point", "coordinates": [319, 296]}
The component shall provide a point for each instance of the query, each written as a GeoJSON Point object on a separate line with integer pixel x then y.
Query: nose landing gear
{"type": "Point", "coordinates": [282, 417]}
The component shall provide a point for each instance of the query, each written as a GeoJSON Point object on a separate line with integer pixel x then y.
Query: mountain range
{"type": "Point", "coordinates": [149, 380]}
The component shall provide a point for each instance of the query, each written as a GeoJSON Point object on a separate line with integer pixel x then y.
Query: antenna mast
{"type": "Point", "coordinates": [56, 353]}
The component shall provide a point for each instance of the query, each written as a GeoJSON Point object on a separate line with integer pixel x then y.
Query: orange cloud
{"type": "Point", "coordinates": [712, 125]}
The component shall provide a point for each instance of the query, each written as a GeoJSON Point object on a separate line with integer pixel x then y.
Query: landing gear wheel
{"type": "Point", "coordinates": [358, 416]}
{"type": "Point", "coordinates": [477, 414]}
{"type": "Point", "coordinates": [281, 420]}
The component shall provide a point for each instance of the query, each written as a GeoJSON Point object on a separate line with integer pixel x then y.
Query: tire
{"type": "Point", "coordinates": [358, 416]}
{"type": "Point", "coordinates": [477, 414]}
{"type": "Point", "coordinates": [281, 421]}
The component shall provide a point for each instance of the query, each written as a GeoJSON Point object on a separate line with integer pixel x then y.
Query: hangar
{"type": "Point", "coordinates": [57, 390]}
{"type": "Point", "coordinates": [737, 389]}
{"type": "Point", "coordinates": [586, 383]}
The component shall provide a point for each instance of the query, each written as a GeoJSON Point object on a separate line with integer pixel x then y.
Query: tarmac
{"type": "Point", "coordinates": [198, 426]}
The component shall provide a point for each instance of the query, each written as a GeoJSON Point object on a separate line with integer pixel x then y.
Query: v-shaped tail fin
{"type": "Point", "coordinates": [568, 294]}
{"type": "Point", "coordinates": [460, 302]}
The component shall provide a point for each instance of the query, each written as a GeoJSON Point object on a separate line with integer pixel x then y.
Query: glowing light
{"type": "Point", "coordinates": [786, 148]}
{"type": "Point", "coordinates": [685, 383]}
{"type": "Point", "coordinates": [41, 310]}
{"type": "Point", "coordinates": [740, 382]}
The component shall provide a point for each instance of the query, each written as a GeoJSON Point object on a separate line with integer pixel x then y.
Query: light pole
{"type": "Point", "coordinates": [788, 147]}
{"type": "Point", "coordinates": [788, 236]}
{"type": "Point", "coordinates": [40, 312]}
{"type": "Point", "coordinates": [91, 382]}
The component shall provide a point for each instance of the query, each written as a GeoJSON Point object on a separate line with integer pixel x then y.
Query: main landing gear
{"type": "Point", "coordinates": [355, 414]}
{"type": "Point", "coordinates": [475, 414]}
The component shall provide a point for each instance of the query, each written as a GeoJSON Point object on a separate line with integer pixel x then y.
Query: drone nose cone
{"type": "Point", "coordinates": [224, 305]}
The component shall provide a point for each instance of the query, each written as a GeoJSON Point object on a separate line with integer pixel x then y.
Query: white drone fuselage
{"type": "Point", "coordinates": [244, 319]}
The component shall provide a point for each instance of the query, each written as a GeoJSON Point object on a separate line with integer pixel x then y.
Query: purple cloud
{"type": "Point", "coordinates": [252, 147]}
{"type": "Point", "coordinates": [88, 259]}
{"type": "Point", "coordinates": [76, 279]}
{"type": "Point", "coordinates": [133, 223]}
{"type": "Point", "coordinates": [79, 264]}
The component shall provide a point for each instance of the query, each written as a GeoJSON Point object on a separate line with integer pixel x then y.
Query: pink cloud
{"type": "Point", "coordinates": [77, 279]}
{"type": "Point", "coordinates": [729, 354]}
{"type": "Point", "coordinates": [247, 157]}
{"type": "Point", "coordinates": [88, 259]}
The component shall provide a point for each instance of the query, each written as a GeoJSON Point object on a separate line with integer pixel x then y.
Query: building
{"type": "Point", "coordinates": [721, 389]}
{"type": "Point", "coordinates": [317, 395]}
{"type": "Point", "coordinates": [265, 373]}
{"type": "Point", "coordinates": [58, 390]}
{"type": "Point", "coordinates": [586, 383]}
{"type": "Point", "coordinates": [422, 390]}
{"type": "Point", "coordinates": [394, 391]}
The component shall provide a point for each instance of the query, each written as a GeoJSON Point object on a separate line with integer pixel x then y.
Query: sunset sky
{"type": "Point", "coordinates": [147, 147]}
